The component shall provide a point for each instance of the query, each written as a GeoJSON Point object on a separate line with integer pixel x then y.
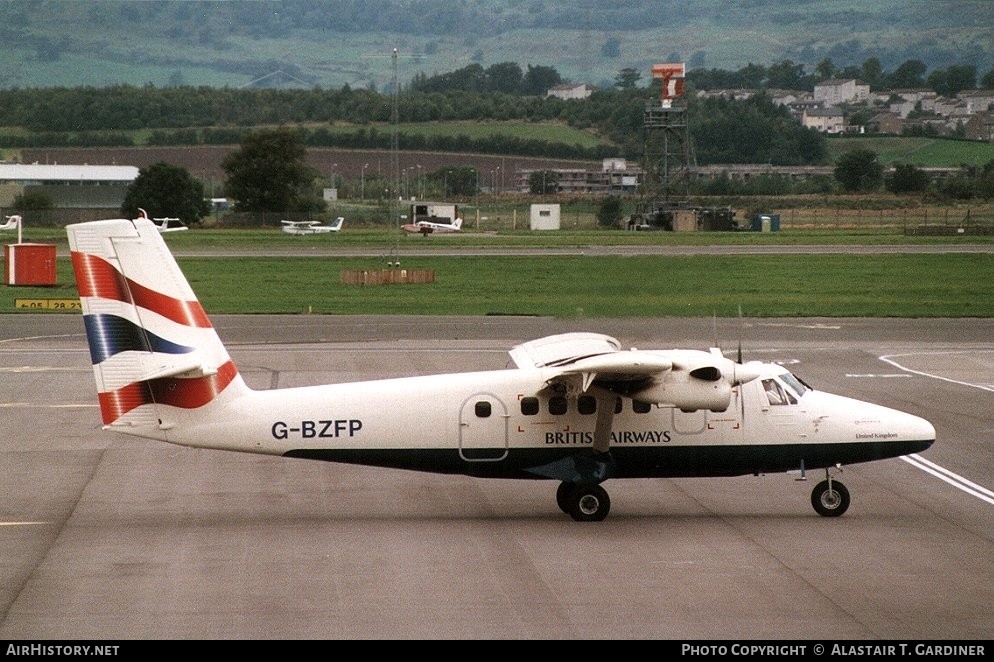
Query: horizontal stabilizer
{"type": "Point", "coordinates": [157, 366]}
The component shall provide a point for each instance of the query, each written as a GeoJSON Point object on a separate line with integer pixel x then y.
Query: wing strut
{"type": "Point", "coordinates": [605, 418]}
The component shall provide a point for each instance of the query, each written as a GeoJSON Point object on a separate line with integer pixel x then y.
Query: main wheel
{"type": "Point", "coordinates": [589, 503]}
{"type": "Point", "coordinates": [830, 500]}
{"type": "Point", "coordinates": [562, 495]}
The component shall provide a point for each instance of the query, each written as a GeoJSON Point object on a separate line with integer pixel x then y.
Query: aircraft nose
{"type": "Point", "coordinates": [923, 429]}
{"type": "Point", "coordinates": [915, 429]}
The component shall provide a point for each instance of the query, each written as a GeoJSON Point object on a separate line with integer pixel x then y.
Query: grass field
{"type": "Point", "coordinates": [926, 285]}
{"type": "Point", "coordinates": [920, 152]}
{"type": "Point", "coordinates": [553, 132]}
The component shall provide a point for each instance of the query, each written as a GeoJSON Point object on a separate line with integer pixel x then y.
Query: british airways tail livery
{"type": "Point", "coordinates": [576, 408]}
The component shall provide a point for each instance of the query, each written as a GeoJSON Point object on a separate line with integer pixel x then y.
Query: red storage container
{"type": "Point", "coordinates": [29, 264]}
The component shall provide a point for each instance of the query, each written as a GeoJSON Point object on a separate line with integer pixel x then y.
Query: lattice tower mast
{"type": "Point", "coordinates": [666, 161]}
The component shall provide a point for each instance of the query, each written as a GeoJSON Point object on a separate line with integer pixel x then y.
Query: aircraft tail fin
{"type": "Point", "coordinates": [151, 344]}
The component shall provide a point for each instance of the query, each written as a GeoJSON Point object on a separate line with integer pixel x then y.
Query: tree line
{"type": "Point", "coordinates": [101, 117]}
{"type": "Point", "coordinates": [722, 131]}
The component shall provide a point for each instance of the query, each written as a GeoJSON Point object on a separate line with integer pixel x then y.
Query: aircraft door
{"type": "Point", "coordinates": [689, 422]}
{"type": "Point", "coordinates": [483, 428]}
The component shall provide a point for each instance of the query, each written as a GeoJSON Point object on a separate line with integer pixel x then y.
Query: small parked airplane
{"type": "Point", "coordinates": [311, 227]}
{"type": "Point", "coordinates": [428, 227]}
{"type": "Point", "coordinates": [10, 223]}
{"type": "Point", "coordinates": [164, 224]}
{"type": "Point", "coordinates": [169, 225]}
{"type": "Point", "coordinates": [576, 408]}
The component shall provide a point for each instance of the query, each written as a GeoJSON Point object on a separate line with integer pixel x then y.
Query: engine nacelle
{"type": "Point", "coordinates": [687, 393]}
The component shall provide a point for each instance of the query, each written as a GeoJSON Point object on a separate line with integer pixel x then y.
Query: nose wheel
{"type": "Point", "coordinates": [830, 498]}
{"type": "Point", "coordinates": [584, 502]}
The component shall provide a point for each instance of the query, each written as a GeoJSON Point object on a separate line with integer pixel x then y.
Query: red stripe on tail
{"type": "Point", "coordinates": [184, 393]}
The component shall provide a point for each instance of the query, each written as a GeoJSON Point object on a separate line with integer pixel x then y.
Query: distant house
{"type": "Point", "coordinates": [788, 97]}
{"type": "Point", "coordinates": [902, 108]}
{"type": "Point", "coordinates": [977, 101]}
{"type": "Point", "coordinates": [800, 106]}
{"type": "Point", "coordinates": [913, 94]}
{"type": "Point", "coordinates": [980, 126]}
{"type": "Point", "coordinates": [889, 123]}
{"type": "Point", "coordinates": [835, 91]}
{"type": "Point", "coordinates": [826, 120]}
{"type": "Point", "coordinates": [569, 91]}
{"type": "Point", "coordinates": [943, 106]}
{"type": "Point", "coordinates": [733, 94]}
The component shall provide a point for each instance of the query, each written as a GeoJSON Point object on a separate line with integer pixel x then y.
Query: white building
{"type": "Point", "coordinates": [545, 217]}
{"type": "Point", "coordinates": [977, 101]}
{"type": "Point", "coordinates": [835, 91]}
{"type": "Point", "coordinates": [71, 186]}
{"type": "Point", "coordinates": [570, 91]}
{"type": "Point", "coordinates": [826, 120]}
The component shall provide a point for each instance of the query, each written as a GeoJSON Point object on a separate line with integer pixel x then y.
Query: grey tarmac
{"type": "Point", "coordinates": [106, 537]}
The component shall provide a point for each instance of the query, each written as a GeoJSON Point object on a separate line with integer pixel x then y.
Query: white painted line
{"type": "Point", "coordinates": [955, 480]}
{"type": "Point", "coordinates": [932, 468]}
{"type": "Point", "coordinates": [890, 359]}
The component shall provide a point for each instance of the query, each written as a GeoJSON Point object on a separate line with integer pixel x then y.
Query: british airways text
{"type": "Point", "coordinates": [328, 429]}
{"type": "Point", "coordinates": [617, 437]}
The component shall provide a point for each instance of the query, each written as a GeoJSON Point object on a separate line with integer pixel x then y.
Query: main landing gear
{"type": "Point", "coordinates": [584, 502]}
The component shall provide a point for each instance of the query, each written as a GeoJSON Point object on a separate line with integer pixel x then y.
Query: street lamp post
{"type": "Point", "coordinates": [362, 180]}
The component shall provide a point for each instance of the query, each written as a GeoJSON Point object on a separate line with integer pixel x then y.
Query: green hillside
{"type": "Point", "coordinates": [347, 42]}
{"type": "Point", "coordinates": [917, 151]}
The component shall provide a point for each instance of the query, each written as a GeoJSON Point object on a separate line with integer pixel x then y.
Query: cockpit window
{"type": "Point", "coordinates": [776, 394]}
{"type": "Point", "coordinates": [796, 385]}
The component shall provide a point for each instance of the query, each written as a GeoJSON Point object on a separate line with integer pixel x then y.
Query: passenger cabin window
{"type": "Point", "coordinates": [558, 405]}
{"type": "Point", "coordinates": [529, 406]}
{"type": "Point", "coordinates": [586, 404]}
{"type": "Point", "coordinates": [482, 409]}
{"type": "Point", "coordinates": [640, 407]}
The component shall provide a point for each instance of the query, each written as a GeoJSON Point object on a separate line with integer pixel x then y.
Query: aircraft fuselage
{"type": "Point", "coordinates": [503, 424]}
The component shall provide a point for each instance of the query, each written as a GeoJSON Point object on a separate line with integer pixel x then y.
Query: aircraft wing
{"type": "Point", "coordinates": [562, 349]}
{"type": "Point", "coordinates": [688, 379]}
{"type": "Point", "coordinates": [591, 357]}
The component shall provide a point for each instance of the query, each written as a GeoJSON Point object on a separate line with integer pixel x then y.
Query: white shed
{"type": "Point", "coordinates": [544, 217]}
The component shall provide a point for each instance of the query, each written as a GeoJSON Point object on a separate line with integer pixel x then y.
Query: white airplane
{"type": "Point", "coordinates": [164, 224]}
{"type": "Point", "coordinates": [576, 408]}
{"type": "Point", "coordinates": [10, 223]}
{"type": "Point", "coordinates": [428, 227]}
{"type": "Point", "coordinates": [311, 227]}
{"type": "Point", "coordinates": [169, 225]}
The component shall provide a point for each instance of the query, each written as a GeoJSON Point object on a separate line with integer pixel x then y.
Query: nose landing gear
{"type": "Point", "coordinates": [830, 498]}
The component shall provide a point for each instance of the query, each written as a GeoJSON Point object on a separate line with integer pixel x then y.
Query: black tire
{"type": "Point", "coordinates": [562, 495]}
{"type": "Point", "coordinates": [830, 502]}
{"type": "Point", "coordinates": [589, 503]}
